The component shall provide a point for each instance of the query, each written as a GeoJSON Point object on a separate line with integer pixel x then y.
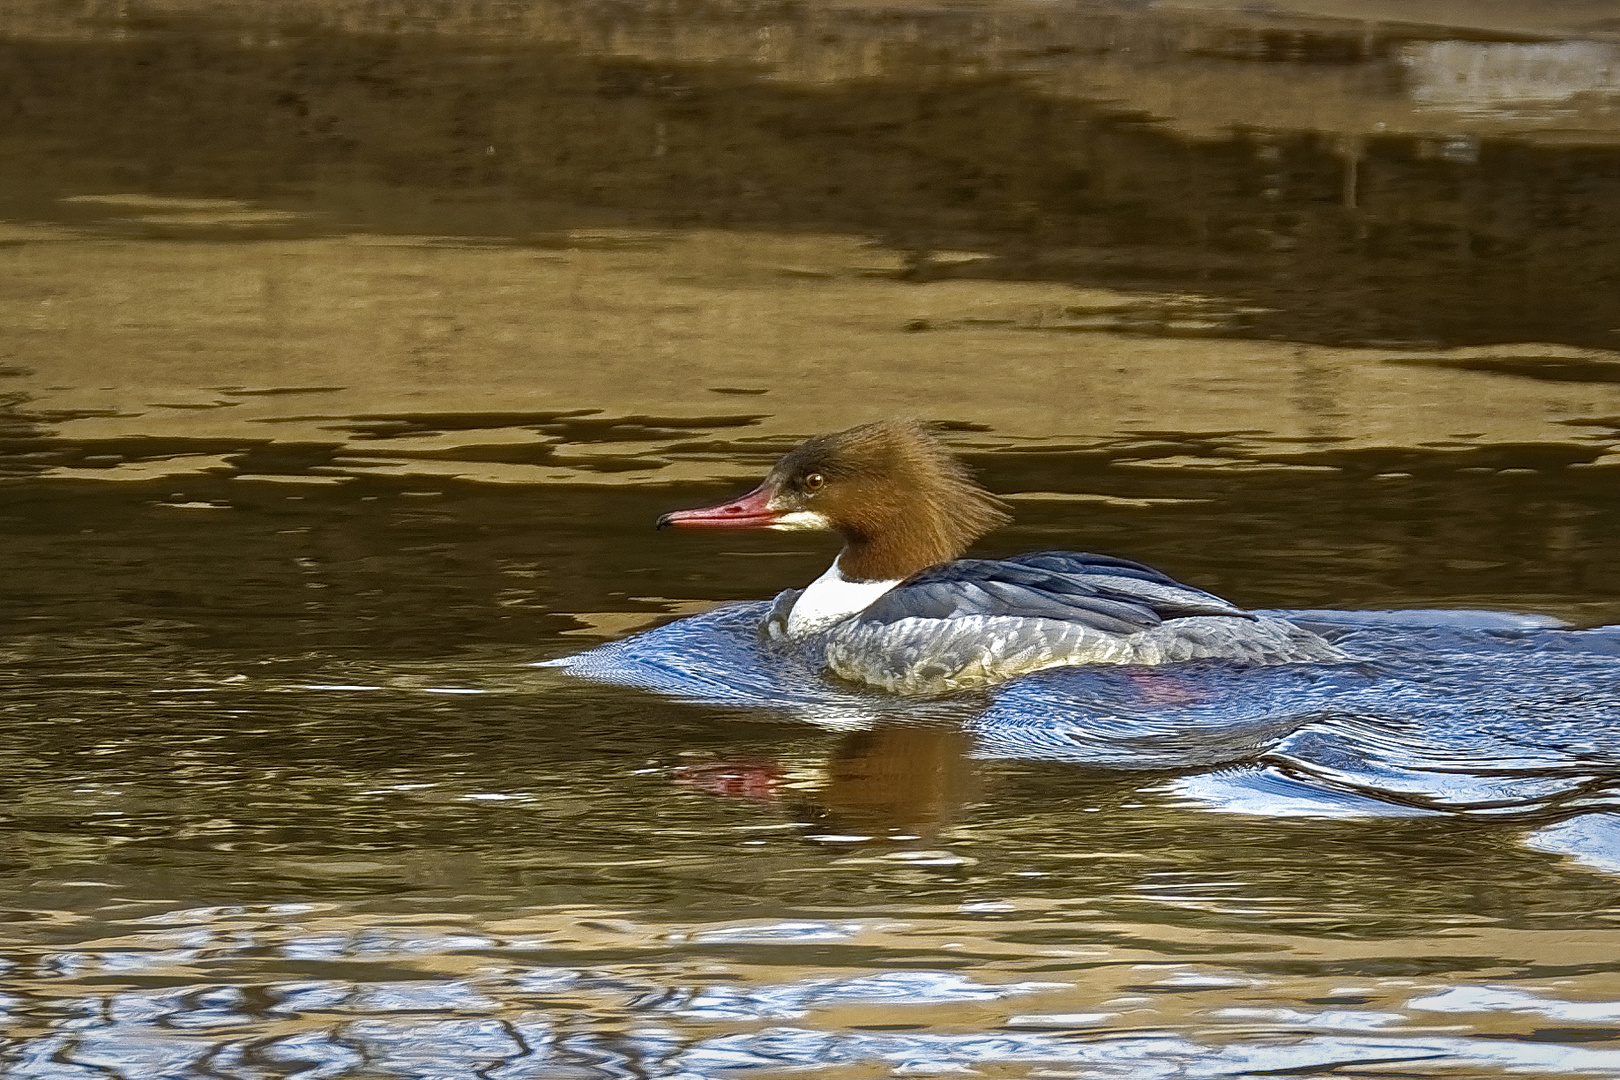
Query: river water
{"type": "Point", "coordinates": [350, 353]}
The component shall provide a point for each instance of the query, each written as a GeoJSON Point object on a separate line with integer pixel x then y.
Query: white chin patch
{"type": "Point", "coordinates": [800, 520]}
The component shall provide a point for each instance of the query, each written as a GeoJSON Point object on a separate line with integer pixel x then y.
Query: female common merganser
{"type": "Point", "coordinates": [898, 609]}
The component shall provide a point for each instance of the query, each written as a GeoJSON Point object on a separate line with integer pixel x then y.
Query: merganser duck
{"type": "Point", "coordinates": [900, 610]}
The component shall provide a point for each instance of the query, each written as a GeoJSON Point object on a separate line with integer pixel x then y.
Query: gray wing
{"type": "Point", "coordinates": [1110, 595]}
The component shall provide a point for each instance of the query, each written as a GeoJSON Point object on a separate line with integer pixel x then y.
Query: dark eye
{"type": "Point", "coordinates": [814, 482]}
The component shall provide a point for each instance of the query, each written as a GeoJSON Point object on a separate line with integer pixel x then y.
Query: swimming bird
{"type": "Point", "coordinates": [899, 609]}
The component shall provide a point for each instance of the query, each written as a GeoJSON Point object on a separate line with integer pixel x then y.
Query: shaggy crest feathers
{"type": "Point", "coordinates": [898, 496]}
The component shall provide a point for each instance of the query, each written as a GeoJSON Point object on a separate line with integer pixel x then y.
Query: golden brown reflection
{"type": "Point", "coordinates": [361, 240]}
{"type": "Point", "coordinates": [414, 360]}
{"type": "Point", "coordinates": [897, 780]}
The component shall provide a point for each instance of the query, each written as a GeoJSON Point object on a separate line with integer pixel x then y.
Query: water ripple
{"type": "Point", "coordinates": [475, 1004]}
{"type": "Point", "coordinates": [1458, 712]}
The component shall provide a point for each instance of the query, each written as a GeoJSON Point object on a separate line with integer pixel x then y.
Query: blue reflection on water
{"type": "Point", "coordinates": [1458, 717]}
{"type": "Point", "coordinates": [722, 1002]}
{"type": "Point", "coordinates": [499, 1021]}
{"type": "Point", "coordinates": [1479, 713]}
{"type": "Point", "coordinates": [1138, 1057]}
{"type": "Point", "coordinates": [1590, 839]}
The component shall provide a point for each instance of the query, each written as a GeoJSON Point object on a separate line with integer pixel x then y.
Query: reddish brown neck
{"type": "Point", "coordinates": [892, 556]}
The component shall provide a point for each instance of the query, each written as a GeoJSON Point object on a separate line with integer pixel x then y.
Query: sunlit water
{"type": "Point", "coordinates": [344, 375]}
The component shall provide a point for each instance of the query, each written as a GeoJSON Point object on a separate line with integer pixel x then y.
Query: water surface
{"type": "Point", "coordinates": [346, 369]}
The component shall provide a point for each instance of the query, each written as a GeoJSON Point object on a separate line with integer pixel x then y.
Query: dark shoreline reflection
{"type": "Point", "coordinates": [344, 566]}
{"type": "Point", "coordinates": [22, 434]}
{"type": "Point", "coordinates": [1512, 241]}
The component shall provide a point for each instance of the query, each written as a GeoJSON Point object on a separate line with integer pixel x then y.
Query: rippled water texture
{"type": "Point", "coordinates": [349, 350]}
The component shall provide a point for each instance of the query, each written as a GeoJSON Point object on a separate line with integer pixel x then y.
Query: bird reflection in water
{"type": "Point", "coordinates": [895, 782]}
{"type": "Point", "coordinates": [747, 778]}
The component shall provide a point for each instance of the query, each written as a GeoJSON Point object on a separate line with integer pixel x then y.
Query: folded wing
{"type": "Point", "coordinates": [1111, 595]}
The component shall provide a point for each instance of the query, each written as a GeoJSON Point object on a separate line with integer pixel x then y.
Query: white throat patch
{"type": "Point", "coordinates": [800, 520]}
{"type": "Point", "coordinates": [832, 597]}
